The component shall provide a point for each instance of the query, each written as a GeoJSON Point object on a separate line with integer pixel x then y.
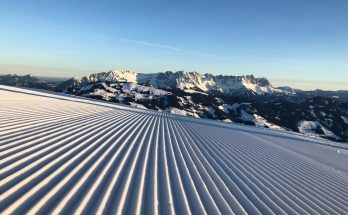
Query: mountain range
{"type": "Point", "coordinates": [229, 85]}
{"type": "Point", "coordinates": [240, 99]}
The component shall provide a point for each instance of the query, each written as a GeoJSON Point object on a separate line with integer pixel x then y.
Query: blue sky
{"type": "Point", "coordinates": [301, 43]}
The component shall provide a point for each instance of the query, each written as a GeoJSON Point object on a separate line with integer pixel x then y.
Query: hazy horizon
{"type": "Point", "coordinates": [302, 44]}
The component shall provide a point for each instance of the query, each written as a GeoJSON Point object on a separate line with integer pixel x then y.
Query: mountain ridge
{"type": "Point", "coordinates": [224, 84]}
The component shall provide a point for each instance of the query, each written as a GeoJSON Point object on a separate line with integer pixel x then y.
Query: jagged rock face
{"type": "Point", "coordinates": [160, 80]}
{"type": "Point", "coordinates": [263, 82]}
{"type": "Point", "coordinates": [111, 76]}
{"type": "Point", "coordinates": [232, 85]}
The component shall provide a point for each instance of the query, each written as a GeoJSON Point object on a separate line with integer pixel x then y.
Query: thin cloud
{"type": "Point", "coordinates": [155, 45]}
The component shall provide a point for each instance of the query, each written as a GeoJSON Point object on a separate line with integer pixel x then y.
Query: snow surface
{"type": "Point", "coordinates": [262, 122]}
{"type": "Point", "coordinates": [63, 154]}
{"type": "Point", "coordinates": [194, 91]}
{"type": "Point", "coordinates": [309, 127]}
{"type": "Point", "coordinates": [177, 111]}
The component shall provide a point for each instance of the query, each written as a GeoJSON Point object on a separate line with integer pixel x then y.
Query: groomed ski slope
{"type": "Point", "coordinates": [63, 155]}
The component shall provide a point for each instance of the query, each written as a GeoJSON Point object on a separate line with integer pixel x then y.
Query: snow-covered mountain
{"type": "Point", "coordinates": [231, 85]}
{"type": "Point", "coordinates": [243, 99]}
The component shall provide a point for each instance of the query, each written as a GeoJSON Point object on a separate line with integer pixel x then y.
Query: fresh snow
{"type": "Point", "coordinates": [62, 154]}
